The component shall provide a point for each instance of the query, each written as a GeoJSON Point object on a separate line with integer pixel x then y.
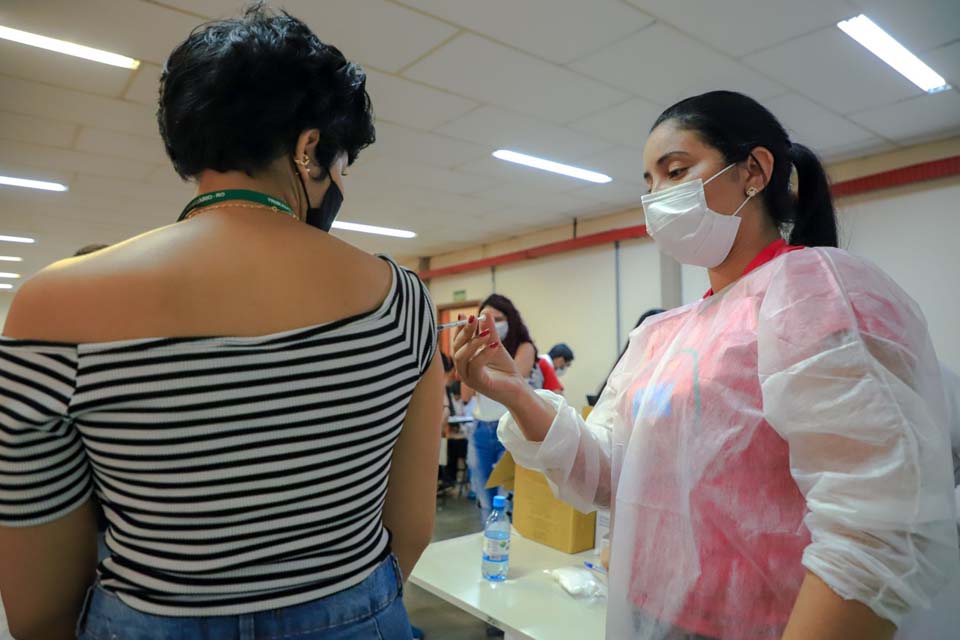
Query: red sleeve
{"type": "Point", "coordinates": [550, 380]}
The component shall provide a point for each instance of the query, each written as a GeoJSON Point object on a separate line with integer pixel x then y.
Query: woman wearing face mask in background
{"type": "Point", "coordinates": [775, 456]}
{"type": "Point", "coordinates": [253, 401]}
{"type": "Point", "coordinates": [485, 449]}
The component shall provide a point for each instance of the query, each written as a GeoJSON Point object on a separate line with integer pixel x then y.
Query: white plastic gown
{"type": "Point", "coordinates": [795, 421]}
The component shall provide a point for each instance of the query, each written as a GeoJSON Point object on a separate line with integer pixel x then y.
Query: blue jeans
{"type": "Point", "coordinates": [372, 609]}
{"type": "Point", "coordinates": [485, 452]}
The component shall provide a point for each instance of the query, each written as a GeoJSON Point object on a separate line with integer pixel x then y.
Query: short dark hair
{"type": "Point", "coordinates": [735, 125]}
{"type": "Point", "coordinates": [237, 93]}
{"type": "Point", "coordinates": [562, 350]}
{"type": "Point", "coordinates": [88, 249]}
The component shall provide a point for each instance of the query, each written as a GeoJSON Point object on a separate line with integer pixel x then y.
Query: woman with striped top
{"type": "Point", "coordinates": [267, 465]}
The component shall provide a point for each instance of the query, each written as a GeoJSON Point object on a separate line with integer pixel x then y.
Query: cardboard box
{"type": "Point", "coordinates": [537, 514]}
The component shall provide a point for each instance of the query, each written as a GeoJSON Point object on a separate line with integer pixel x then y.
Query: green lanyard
{"type": "Point", "coordinates": [207, 199]}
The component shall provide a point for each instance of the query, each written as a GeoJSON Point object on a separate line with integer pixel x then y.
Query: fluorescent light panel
{"type": "Point", "coordinates": [10, 259]}
{"type": "Point", "coordinates": [367, 228]}
{"type": "Point", "coordinates": [18, 239]}
{"type": "Point", "coordinates": [32, 184]}
{"type": "Point", "coordinates": [5, 286]}
{"type": "Point", "coordinates": [13, 276]}
{"type": "Point", "coordinates": [553, 167]}
{"type": "Point", "coordinates": [884, 46]}
{"type": "Point", "coordinates": [68, 48]}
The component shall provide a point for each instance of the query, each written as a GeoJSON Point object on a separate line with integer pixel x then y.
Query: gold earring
{"type": "Point", "coordinates": [304, 161]}
{"type": "Point", "coordinates": [751, 191]}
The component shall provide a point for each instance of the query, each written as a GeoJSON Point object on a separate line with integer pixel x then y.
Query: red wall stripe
{"type": "Point", "coordinates": [922, 172]}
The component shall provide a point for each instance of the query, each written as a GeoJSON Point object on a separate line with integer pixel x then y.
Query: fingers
{"type": "Point", "coordinates": [465, 333]}
{"type": "Point", "coordinates": [485, 353]}
{"type": "Point", "coordinates": [468, 349]}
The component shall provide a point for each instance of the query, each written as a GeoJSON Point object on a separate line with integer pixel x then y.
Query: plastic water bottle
{"type": "Point", "coordinates": [496, 543]}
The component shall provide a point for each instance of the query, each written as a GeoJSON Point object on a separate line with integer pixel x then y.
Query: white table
{"type": "Point", "coordinates": [530, 605]}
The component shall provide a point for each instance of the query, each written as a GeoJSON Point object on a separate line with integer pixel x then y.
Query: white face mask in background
{"type": "Point", "coordinates": [503, 327]}
{"type": "Point", "coordinates": [684, 227]}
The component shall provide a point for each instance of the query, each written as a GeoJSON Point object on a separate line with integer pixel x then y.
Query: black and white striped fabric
{"type": "Point", "coordinates": [237, 474]}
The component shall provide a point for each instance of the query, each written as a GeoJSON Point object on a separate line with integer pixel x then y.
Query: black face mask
{"type": "Point", "coordinates": [322, 217]}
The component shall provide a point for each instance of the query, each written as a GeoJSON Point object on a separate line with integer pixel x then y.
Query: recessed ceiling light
{"type": "Point", "coordinates": [10, 259]}
{"type": "Point", "coordinates": [68, 48]}
{"type": "Point", "coordinates": [884, 46]}
{"type": "Point", "coordinates": [5, 286]}
{"type": "Point", "coordinates": [553, 167]}
{"type": "Point", "coordinates": [18, 239]}
{"type": "Point", "coordinates": [368, 228]}
{"type": "Point", "coordinates": [12, 276]}
{"type": "Point", "coordinates": [32, 184]}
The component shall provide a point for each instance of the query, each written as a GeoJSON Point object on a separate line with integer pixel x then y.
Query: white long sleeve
{"type": "Point", "coordinates": [575, 455]}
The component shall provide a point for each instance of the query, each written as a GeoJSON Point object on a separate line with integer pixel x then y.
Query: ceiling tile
{"type": "Point", "coordinates": [374, 32]}
{"type": "Point", "coordinates": [495, 128]}
{"type": "Point", "coordinates": [816, 127]}
{"type": "Point", "coordinates": [574, 28]}
{"type": "Point", "coordinates": [31, 98]}
{"type": "Point", "coordinates": [919, 25]}
{"type": "Point", "coordinates": [410, 145]}
{"type": "Point", "coordinates": [738, 27]}
{"type": "Point", "coordinates": [40, 65]}
{"type": "Point", "coordinates": [664, 66]}
{"type": "Point", "coordinates": [617, 192]}
{"type": "Point", "coordinates": [508, 173]}
{"type": "Point", "coordinates": [838, 153]}
{"type": "Point", "coordinates": [484, 70]}
{"type": "Point", "coordinates": [210, 8]}
{"type": "Point", "coordinates": [36, 130]}
{"type": "Point", "coordinates": [137, 190]}
{"type": "Point", "coordinates": [17, 170]}
{"type": "Point", "coordinates": [145, 87]}
{"type": "Point", "coordinates": [946, 61]}
{"type": "Point", "coordinates": [412, 104]}
{"type": "Point", "coordinates": [141, 30]}
{"type": "Point", "coordinates": [832, 69]}
{"type": "Point", "coordinates": [66, 160]}
{"type": "Point", "coordinates": [927, 116]}
{"type": "Point", "coordinates": [386, 173]}
{"type": "Point", "coordinates": [620, 163]}
{"type": "Point", "coordinates": [627, 123]}
{"type": "Point", "coordinates": [123, 145]}
{"type": "Point", "coordinates": [517, 195]}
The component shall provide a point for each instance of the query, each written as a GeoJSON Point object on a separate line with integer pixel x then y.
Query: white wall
{"type": "Point", "coordinates": [572, 298]}
{"type": "Point", "coordinates": [914, 236]}
{"type": "Point", "coordinates": [477, 284]}
{"type": "Point", "coordinates": [696, 282]}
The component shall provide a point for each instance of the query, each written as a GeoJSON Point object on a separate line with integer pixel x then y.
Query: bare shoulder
{"type": "Point", "coordinates": [59, 301]}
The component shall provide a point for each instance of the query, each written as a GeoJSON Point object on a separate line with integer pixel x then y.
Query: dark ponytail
{"type": "Point", "coordinates": [735, 125]}
{"type": "Point", "coordinates": [815, 224]}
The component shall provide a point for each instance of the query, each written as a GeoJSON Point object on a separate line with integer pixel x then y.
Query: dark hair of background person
{"type": "Point", "coordinates": [90, 248]}
{"type": "Point", "coordinates": [592, 400]}
{"type": "Point", "coordinates": [447, 362]}
{"type": "Point", "coordinates": [237, 94]}
{"type": "Point", "coordinates": [735, 124]}
{"type": "Point", "coordinates": [562, 350]}
{"type": "Point", "coordinates": [518, 333]}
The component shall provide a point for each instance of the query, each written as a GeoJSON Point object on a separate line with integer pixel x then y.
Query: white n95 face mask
{"type": "Point", "coordinates": [684, 227]}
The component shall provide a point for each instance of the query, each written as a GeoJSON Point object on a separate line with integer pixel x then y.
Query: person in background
{"type": "Point", "coordinates": [485, 449]}
{"type": "Point", "coordinates": [255, 403]}
{"type": "Point", "coordinates": [554, 365]}
{"type": "Point", "coordinates": [649, 313]}
{"type": "Point", "coordinates": [456, 442]}
{"type": "Point", "coordinates": [776, 456]}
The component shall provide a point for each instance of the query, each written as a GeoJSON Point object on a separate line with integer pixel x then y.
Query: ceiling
{"type": "Point", "coordinates": [452, 80]}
